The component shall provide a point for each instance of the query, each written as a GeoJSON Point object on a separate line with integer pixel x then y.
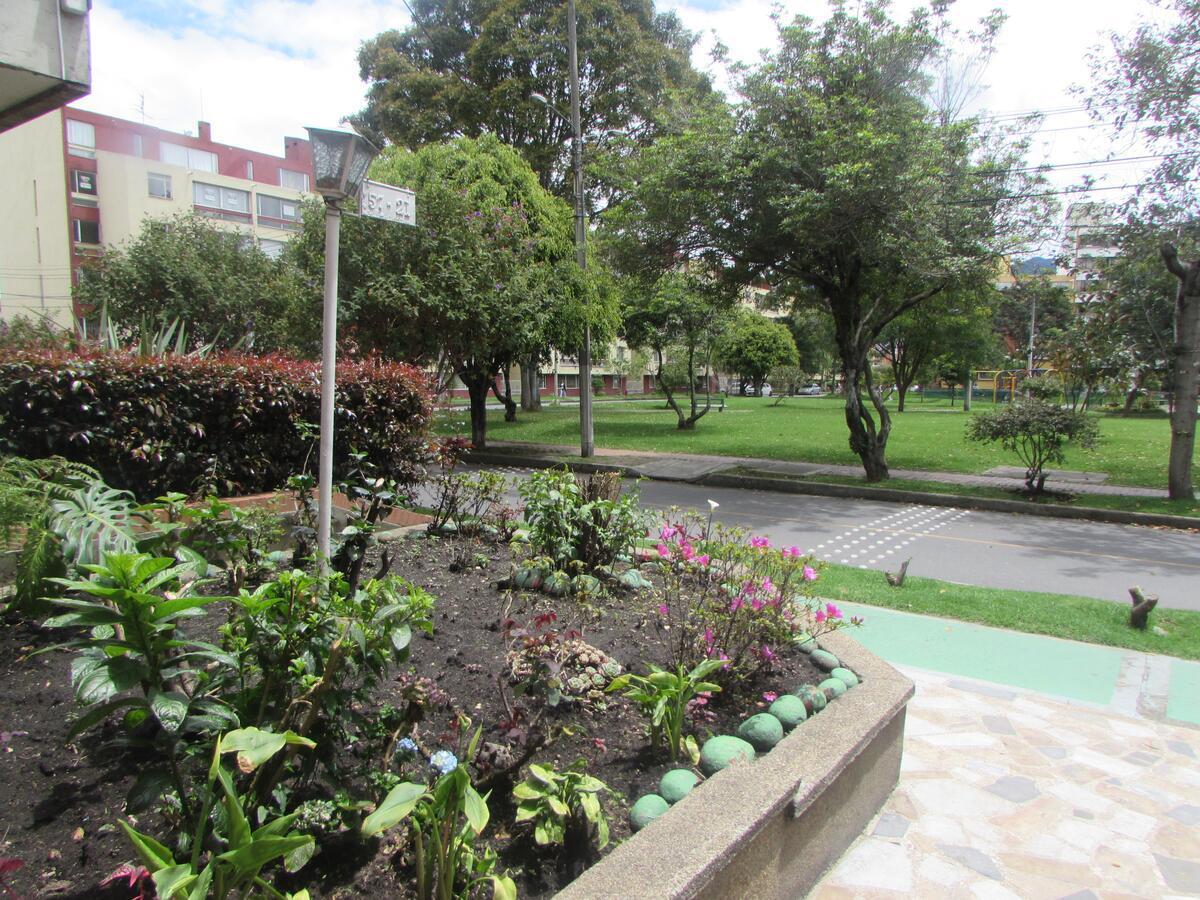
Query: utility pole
{"type": "Point", "coordinates": [587, 444]}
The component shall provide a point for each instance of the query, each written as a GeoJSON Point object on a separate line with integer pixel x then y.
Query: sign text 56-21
{"type": "Point", "coordinates": [393, 204]}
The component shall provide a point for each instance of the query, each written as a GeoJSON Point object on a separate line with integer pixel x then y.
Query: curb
{"type": "Point", "coordinates": [885, 495]}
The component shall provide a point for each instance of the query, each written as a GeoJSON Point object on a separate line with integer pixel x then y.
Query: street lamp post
{"type": "Point", "coordinates": [587, 443]}
{"type": "Point", "coordinates": [340, 163]}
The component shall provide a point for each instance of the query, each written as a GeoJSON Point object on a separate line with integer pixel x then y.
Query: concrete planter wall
{"type": "Point", "coordinates": [771, 828]}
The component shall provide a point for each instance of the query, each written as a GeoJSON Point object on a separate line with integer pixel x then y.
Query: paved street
{"type": "Point", "coordinates": [981, 548]}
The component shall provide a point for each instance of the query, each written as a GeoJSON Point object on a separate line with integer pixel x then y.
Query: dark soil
{"type": "Point", "coordinates": [49, 791]}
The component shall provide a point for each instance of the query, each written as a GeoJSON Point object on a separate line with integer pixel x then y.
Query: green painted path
{"type": "Point", "coordinates": [1126, 681]}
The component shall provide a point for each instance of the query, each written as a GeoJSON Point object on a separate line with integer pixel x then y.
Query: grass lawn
{"type": "Point", "coordinates": [1057, 615]}
{"type": "Point", "coordinates": [928, 436]}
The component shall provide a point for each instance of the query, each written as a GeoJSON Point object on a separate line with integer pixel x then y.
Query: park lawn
{"type": "Point", "coordinates": [1057, 615]}
{"type": "Point", "coordinates": [928, 436]}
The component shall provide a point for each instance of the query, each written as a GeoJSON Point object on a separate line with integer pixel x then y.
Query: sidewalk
{"type": "Point", "coordinates": [693, 467]}
{"type": "Point", "coordinates": [1033, 767]}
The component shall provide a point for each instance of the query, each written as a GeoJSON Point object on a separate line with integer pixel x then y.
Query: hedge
{"type": "Point", "coordinates": [232, 424]}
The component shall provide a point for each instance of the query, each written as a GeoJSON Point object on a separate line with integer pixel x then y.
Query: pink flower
{"type": "Point", "coordinates": [791, 552]}
{"type": "Point", "coordinates": [767, 585]}
{"type": "Point", "coordinates": [664, 550]}
{"type": "Point", "coordinates": [832, 611]}
{"type": "Point", "coordinates": [770, 696]}
{"type": "Point", "coordinates": [760, 543]}
{"type": "Point", "coordinates": [702, 560]}
{"type": "Point", "coordinates": [664, 610]}
{"type": "Point", "coordinates": [756, 604]}
{"type": "Point", "coordinates": [820, 616]}
{"type": "Point", "coordinates": [688, 551]}
{"type": "Point", "coordinates": [766, 653]}
{"type": "Point", "coordinates": [708, 637]}
{"type": "Point", "coordinates": [810, 574]}
{"type": "Point", "coordinates": [735, 604]}
{"type": "Point", "coordinates": [668, 532]}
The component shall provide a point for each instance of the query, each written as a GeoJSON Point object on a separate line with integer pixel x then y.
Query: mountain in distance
{"type": "Point", "coordinates": [1035, 265]}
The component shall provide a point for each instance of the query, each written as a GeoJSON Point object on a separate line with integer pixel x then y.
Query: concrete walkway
{"type": "Point", "coordinates": [1033, 767]}
{"type": "Point", "coordinates": [692, 466]}
{"type": "Point", "coordinates": [1014, 794]}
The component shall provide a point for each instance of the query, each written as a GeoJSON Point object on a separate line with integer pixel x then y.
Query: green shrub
{"type": "Point", "coordinates": [583, 519]}
{"type": "Point", "coordinates": [227, 424]}
{"type": "Point", "coordinates": [1037, 431]}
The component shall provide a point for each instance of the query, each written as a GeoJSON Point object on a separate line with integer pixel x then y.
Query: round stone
{"type": "Point", "coordinates": [814, 700]}
{"type": "Point", "coordinates": [646, 810]}
{"type": "Point", "coordinates": [844, 674]}
{"type": "Point", "coordinates": [789, 710]}
{"type": "Point", "coordinates": [718, 752]}
{"type": "Point", "coordinates": [762, 731]}
{"type": "Point", "coordinates": [677, 784]}
{"type": "Point", "coordinates": [824, 660]}
{"type": "Point", "coordinates": [634, 580]}
{"type": "Point", "coordinates": [833, 687]}
{"type": "Point", "coordinates": [806, 642]}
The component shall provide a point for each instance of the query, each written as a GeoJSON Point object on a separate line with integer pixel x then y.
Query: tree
{"type": "Point", "coordinates": [678, 318]}
{"type": "Point", "coordinates": [1037, 431]}
{"type": "Point", "coordinates": [812, 332]}
{"type": "Point", "coordinates": [755, 344]}
{"type": "Point", "coordinates": [216, 281]}
{"type": "Point", "coordinates": [1031, 307]}
{"type": "Point", "coordinates": [485, 277]}
{"type": "Point", "coordinates": [472, 68]}
{"type": "Point", "coordinates": [1150, 80]}
{"type": "Point", "coordinates": [837, 180]}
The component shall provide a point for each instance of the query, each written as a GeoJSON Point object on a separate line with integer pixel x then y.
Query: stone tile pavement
{"type": "Point", "coordinates": [1009, 793]}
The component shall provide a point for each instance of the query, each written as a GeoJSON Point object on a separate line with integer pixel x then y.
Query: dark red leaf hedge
{"type": "Point", "coordinates": [232, 424]}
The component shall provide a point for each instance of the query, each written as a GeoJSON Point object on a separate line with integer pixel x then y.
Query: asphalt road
{"type": "Point", "coordinates": [980, 548]}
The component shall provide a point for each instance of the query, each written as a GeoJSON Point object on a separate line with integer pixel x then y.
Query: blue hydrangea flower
{"type": "Point", "coordinates": [406, 747]}
{"type": "Point", "coordinates": [444, 762]}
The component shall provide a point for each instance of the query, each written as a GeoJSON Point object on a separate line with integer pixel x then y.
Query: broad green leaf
{"type": "Point", "coordinates": [476, 809]}
{"type": "Point", "coordinates": [395, 806]}
{"type": "Point", "coordinates": [255, 746]}
{"type": "Point", "coordinates": [401, 638]}
{"type": "Point", "coordinates": [152, 854]}
{"type": "Point", "coordinates": [96, 714]}
{"type": "Point", "coordinates": [503, 888]}
{"type": "Point", "coordinates": [558, 807]}
{"type": "Point", "coordinates": [170, 708]}
{"type": "Point", "coordinates": [173, 881]}
{"type": "Point", "coordinates": [525, 812]}
{"type": "Point", "coordinates": [258, 853]}
{"type": "Point", "coordinates": [298, 858]}
{"type": "Point", "coordinates": [148, 787]}
{"type": "Point", "coordinates": [542, 774]}
{"type": "Point", "coordinates": [525, 791]}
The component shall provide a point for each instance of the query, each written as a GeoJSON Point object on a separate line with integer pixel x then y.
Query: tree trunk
{"type": "Point", "coordinates": [510, 406]}
{"type": "Point", "coordinates": [1186, 352]}
{"type": "Point", "coordinates": [901, 390]}
{"type": "Point", "coordinates": [477, 390]}
{"type": "Point", "coordinates": [969, 388]}
{"type": "Point", "coordinates": [531, 397]}
{"type": "Point", "coordinates": [865, 440]}
{"type": "Point", "coordinates": [1132, 394]}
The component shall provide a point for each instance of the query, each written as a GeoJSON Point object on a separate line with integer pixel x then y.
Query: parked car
{"type": "Point", "coordinates": [766, 390]}
{"type": "Point", "coordinates": [811, 390]}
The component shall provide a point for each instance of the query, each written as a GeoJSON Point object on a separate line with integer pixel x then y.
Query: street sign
{"type": "Point", "coordinates": [392, 204]}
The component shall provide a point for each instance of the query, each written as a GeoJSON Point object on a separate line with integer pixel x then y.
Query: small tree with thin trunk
{"type": "Point", "coordinates": [1038, 432]}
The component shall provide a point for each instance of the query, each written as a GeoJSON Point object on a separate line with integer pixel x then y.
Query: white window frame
{"type": "Point", "coordinates": [150, 177]}
{"type": "Point", "coordinates": [302, 176]}
{"type": "Point", "coordinates": [187, 157]}
{"type": "Point", "coordinates": [77, 228]}
{"type": "Point", "coordinates": [75, 173]}
{"type": "Point", "coordinates": [81, 138]}
{"type": "Point", "coordinates": [285, 205]}
{"type": "Point", "coordinates": [222, 200]}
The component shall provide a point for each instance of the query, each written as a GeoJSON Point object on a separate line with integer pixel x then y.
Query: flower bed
{"type": "Point", "coordinates": [488, 709]}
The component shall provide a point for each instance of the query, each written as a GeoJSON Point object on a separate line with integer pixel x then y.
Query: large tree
{"type": "Point", "coordinates": [216, 282]}
{"type": "Point", "coordinates": [471, 67]}
{"type": "Point", "coordinates": [837, 179]}
{"type": "Point", "coordinates": [1149, 80]}
{"type": "Point", "coordinates": [487, 274]}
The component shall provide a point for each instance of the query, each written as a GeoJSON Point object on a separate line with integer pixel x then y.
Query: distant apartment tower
{"type": "Point", "coordinates": [1091, 241]}
{"type": "Point", "coordinates": [74, 181]}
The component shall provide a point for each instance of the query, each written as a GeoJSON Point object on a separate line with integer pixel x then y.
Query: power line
{"type": "Point", "coordinates": [1079, 190]}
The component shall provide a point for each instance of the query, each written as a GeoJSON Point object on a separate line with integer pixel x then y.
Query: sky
{"type": "Point", "coordinates": [262, 69]}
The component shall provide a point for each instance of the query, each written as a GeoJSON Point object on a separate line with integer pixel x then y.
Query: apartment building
{"type": "Point", "coordinates": [74, 181]}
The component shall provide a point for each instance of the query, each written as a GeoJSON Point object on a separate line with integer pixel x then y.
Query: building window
{"type": "Point", "coordinates": [137, 145]}
{"type": "Point", "coordinates": [249, 170]}
{"type": "Point", "coordinates": [297, 181]}
{"type": "Point", "coordinates": [86, 232]}
{"type": "Point", "coordinates": [221, 202]}
{"type": "Point", "coordinates": [187, 157]}
{"type": "Point", "coordinates": [273, 249]}
{"type": "Point", "coordinates": [159, 185]}
{"type": "Point", "coordinates": [569, 382]}
{"type": "Point", "coordinates": [85, 201]}
{"type": "Point", "coordinates": [81, 138]}
{"type": "Point", "coordinates": [83, 182]}
{"type": "Point", "coordinates": [278, 208]}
